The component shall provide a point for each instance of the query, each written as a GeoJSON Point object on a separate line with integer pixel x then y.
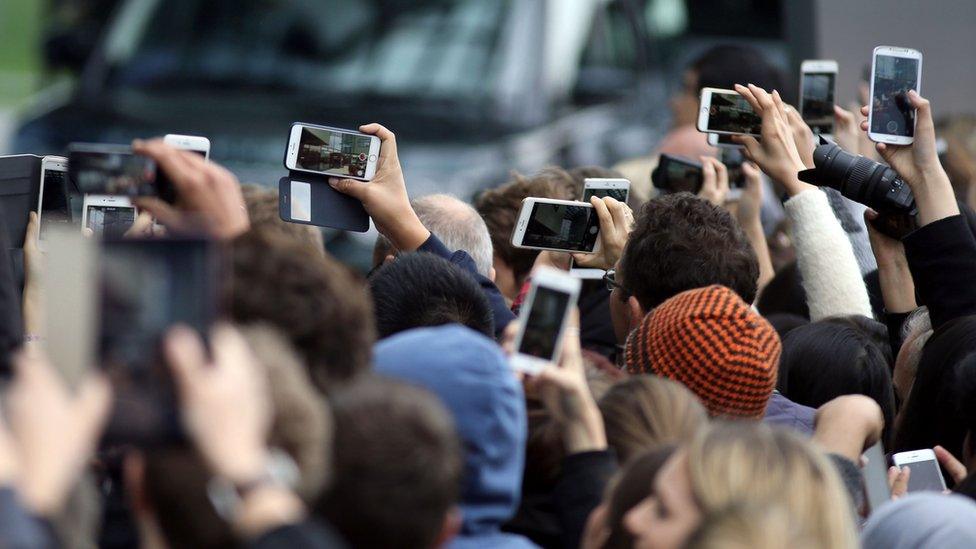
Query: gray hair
{"type": "Point", "coordinates": [458, 226]}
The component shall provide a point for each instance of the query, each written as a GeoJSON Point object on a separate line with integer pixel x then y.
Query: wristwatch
{"type": "Point", "coordinates": [227, 497]}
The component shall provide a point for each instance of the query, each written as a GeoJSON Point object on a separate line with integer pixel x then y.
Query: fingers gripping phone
{"type": "Point", "coordinates": [53, 206]}
{"type": "Point", "coordinates": [817, 85]}
{"type": "Point", "coordinates": [332, 151]}
{"type": "Point", "coordinates": [891, 116]}
{"type": "Point", "coordinates": [107, 216]}
{"type": "Point", "coordinates": [558, 225]}
{"type": "Point", "coordinates": [619, 190]}
{"type": "Point", "coordinates": [925, 475]}
{"type": "Point", "coordinates": [197, 144]}
{"type": "Point", "coordinates": [552, 295]}
{"type": "Point", "coordinates": [726, 112]}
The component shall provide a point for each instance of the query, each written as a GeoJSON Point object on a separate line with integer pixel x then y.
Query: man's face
{"type": "Point", "coordinates": [620, 309]}
{"type": "Point", "coordinates": [684, 102]}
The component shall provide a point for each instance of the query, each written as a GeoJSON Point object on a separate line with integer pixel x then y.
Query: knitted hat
{"type": "Point", "coordinates": [712, 342]}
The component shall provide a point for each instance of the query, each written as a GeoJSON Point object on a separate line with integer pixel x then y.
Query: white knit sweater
{"type": "Point", "coordinates": [831, 275]}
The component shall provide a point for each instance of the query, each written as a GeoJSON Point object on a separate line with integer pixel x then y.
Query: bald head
{"type": "Point", "coordinates": [458, 226]}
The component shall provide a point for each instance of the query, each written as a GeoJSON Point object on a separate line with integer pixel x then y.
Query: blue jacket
{"type": "Point", "coordinates": [471, 376]}
{"type": "Point", "coordinates": [783, 411]}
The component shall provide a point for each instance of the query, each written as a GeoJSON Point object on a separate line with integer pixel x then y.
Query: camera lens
{"type": "Point", "coordinates": [860, 179]}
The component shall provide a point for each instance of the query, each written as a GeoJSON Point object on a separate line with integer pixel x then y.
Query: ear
{"type": "Point", "coordinates": [133, 477]}
{"type": "Point", "coordinates": [636, 312]}
{"type": "Point", "coordinates": [450, 528]}
{"type": "Point", "coordinates": [492, 273]}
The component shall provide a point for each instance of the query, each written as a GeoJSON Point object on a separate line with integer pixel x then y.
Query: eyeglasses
{"type": "Point", "coordinates": [610, 278]}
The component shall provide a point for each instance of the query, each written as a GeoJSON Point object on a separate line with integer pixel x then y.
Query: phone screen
{"type": "Point", "coordinates": [332, 152]}
{"type": "Point", "coordinates": [730, 112]}
{"type": "Point", "coordinates": [116, 173]}
{"type": "Point", "coordinates": [620, 195]}
{"type": "Point", "coordinates": [545, 320]}
{"type": "Point", "coordinates": [733, 159]}
{"type": "Point", "coordinates": [925, 476]}
{"type": "Point", "coordinates": [891, 111]}
{"type": "Point", "coordinates": [562, 226]}
{"type": "Point", "coordinates": [55, 209]}
{"type": "Point", "coordinates": [110, 221]}
{"type": "Point", "coordinates": [818, 101]}
{"type": "Point", "coordinates": [677, 176]}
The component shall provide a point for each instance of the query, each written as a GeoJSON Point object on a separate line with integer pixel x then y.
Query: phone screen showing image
{"type": "Point", "coordinates": [110, 221]}
{"type": "Point", "coordinates": [730, 112]}
{"type": "Point", "coordinates": [891, 111]}
{"type": "Point", "coordinates": [544, 322]}
{"type": "Point", "coordinates": [562, 226]}
{"type": "Point", "coordinates": [55, 209]}
{"type": "Point", "coordinates": [818, 101]}
{"type": "Point", "coordinates": [334, 153]}
{"type": "Point", "coordinates": [925, 476]}
{"type": "Point", "coordinates": [620, 195]}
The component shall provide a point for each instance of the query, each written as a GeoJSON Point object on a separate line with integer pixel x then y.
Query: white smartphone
{"type": "Point", "coordinates": [558, 225]}
{"type": "Point", "coordinates": [332, 151]}
{"type": "Point", "coordinates": [53, 204]}
{"type": "Point", "coordinates": [197, 144]}
{"type": "Point", "coordinates": [817, 85]}
{"type": "Point", "coordinates": [727, 112]}
{"type": "Point", "coordinates": [926, 475]}
{"type": "Point", "coordinates": [722, 140]}
{"type": "Point", "coordinates": [107, 216]}
{"type": "Point", "coordinates": [552, 295]}
{"type": "Point", "coordinates": [618, 189]}
{"type": "Point", "coordinates": [894, 72]}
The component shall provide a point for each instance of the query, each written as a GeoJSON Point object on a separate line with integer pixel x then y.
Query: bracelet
{"type": "Point", "coordinates": [32, 337]}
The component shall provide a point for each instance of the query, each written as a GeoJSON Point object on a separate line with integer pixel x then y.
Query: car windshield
{"type": "Point", "coordinates": [427, 49]}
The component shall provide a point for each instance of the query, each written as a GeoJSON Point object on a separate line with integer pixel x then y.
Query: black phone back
{"type": "Point", "coordinates": [325, 207]}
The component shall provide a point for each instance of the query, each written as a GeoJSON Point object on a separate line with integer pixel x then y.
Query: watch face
{"type": "Point", "coordinates": [226, 497]}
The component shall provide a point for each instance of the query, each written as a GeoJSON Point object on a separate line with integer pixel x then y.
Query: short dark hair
{"type": "Point", "coordinates": [681, 242]}
{"type": "Point", "coordinates": [784, 294]}
{"type": "Point", "coordinates": [499, 207]}
{"type": "Point", "coordinates": [839, 356]}
{"type": "Point", "coordinates": [726, 65]}
{"type": "Point", "coordinates": [422, 289]}
{"type": "Point", "coordinates": [321, 307]}
{"type": "Point", "coordinates": [398, 463]}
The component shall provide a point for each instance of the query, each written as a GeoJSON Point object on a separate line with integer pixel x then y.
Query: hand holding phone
{"type": "Point", "coordinates": [925, 473]}
{"type": "Point", "coordinates": [557, 225]}
{"type": "Point", "coordinates": [616, 222]}
{"type": "Point", "coordinates": [817, 85]}
{"type": "Point", "coordinates": [332, 151]}
{"type": "Point", "coordinates": [677, 174]}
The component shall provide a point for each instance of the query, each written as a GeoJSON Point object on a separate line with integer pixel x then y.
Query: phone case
{"type": "Point", "coordinates": [330, 208]}
{"type": "Point", "coordinates": [20, 183]}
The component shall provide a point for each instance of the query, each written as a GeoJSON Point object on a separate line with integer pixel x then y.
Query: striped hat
{"type": "Point", "coordinates": [712, 342]}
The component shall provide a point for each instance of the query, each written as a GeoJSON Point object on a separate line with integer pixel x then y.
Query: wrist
{"type": "Point", "coordinates": [266, 508]}
{"type": "Point", "coordinates": [587, 432]}
{"type": "Point", "coordinates": [407, 232]}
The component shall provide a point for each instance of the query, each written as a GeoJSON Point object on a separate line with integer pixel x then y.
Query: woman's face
{"type": "Point", "coordinates": [666, 518]}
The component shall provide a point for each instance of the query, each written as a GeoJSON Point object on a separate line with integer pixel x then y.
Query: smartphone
{"type": "Point", "coordinates": [332, 151]}
{"type": "Point", "coordinates": [894, 72]}
{"type": "Point", "coordinates": [677, 174]}
{"type": "Point", "coordinates": [725, 111]}
{"type": "Point", "coordinates": [552, 295]}
{"type": "Point", "coordinates": [107, 216]}
{"type": "Point", "coordinates": [197, 144]}
{"type": "Point", "coordinates": [146, 286]}
{"type": "Point", "coordinates": [733, 159]}
{"type": "Point", "coordinates": [722, 140]}
{"type": "Point", "coordinates": [926, 475]}
{"type": "Point", "coordinates": [618, 189]}
{"type": "Point", "coordinates": [817, 85]}
{"type": "Point", "coordinates": [53, 205]}
{"type": "Point", "coordinates": [111, 169]}
{"type": "Point", "coordinates": [875, 471]}
{"type": "Point", "coordinates": [559, 225]}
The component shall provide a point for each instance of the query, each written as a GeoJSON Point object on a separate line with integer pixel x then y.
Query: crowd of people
{"type": "Point", "coordinates": [717, 389]}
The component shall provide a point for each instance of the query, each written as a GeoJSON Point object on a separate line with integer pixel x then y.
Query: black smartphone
{"type": "Point", "coordinates": [676, 174]}
{"type": "Point", "coordinates": [733, 159]}
{"type": "Point", "coordinates": [146, 287]}
{"type": "Point", "coordinates": [112, 170]}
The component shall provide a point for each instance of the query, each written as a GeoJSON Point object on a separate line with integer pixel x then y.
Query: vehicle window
{"type": "Point", "coordinates": [434, 48]}
{"type": "Point", "coordinates": [612, 42]}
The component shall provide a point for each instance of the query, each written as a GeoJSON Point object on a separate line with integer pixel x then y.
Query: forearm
{"type": "Point", "coordinates": [831, 276]}
{"type": "Point", "coordinates": [587, 432]}
{"type": "Point", "coordinates": [406, 232]}
{"type": "Point", "coordinates": [897, 286]}
{"type": "Point", "coordinates": [935, 199]}
{"type": "Point", "coordinates": [757, 238]}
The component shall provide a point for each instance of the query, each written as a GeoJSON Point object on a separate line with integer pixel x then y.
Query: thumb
{"type": "Point", "coordinates": [351, 187]}
{"type": "Point", "coordinates": [164, 213]}
{"type": "Point", "coordinates": [91, 407]}
{"type": "Point", "coordinates": [186, 356]}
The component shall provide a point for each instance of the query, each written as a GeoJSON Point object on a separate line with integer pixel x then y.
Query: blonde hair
{"type": "Point", "coordinates": [755, 464]}
{"type": "Point", "coordinates": [746, 526]}
{"type": "Point", "coordinates": [645, 411]}
{"type": "Point", "coordinates": [263, 212]}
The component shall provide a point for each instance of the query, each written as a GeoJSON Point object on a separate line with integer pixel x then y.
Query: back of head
{"type": "Point", "coordinates": [323, 310]}
{"type": "Point", "coordinates": [423, 289]}
{"type": "Point", "coordinates": [398, 466]}
{"type": "Point", "coordinates": [472, 378]}
{"type": "Point", "coordinates": [784, 294]}
{"type": "Point", "coordinates": [726, 65]}
{"type": "Point", "coordinates": [922, 521]}
{"type": "Point", "coordinates": [629, 489]}
{"type": "Point", "coordinates": [681, 242]}
{"type": "Point", "coordinates": [715, 345]}
{"type": "Point", "coordinates": [829, 358]}
{"type": "Point", "coordinates": [499, 207]}
{"type": "Point", "coordinates": [458, 226]}
{"type": "Point", "coordinates": [755, 464]}
{"type": "Point", "coordinates": [264, 213]}
{"type": "Point", "coordinates": [743, 526]}
{"type": "Point", "coordinates": [644, 411]}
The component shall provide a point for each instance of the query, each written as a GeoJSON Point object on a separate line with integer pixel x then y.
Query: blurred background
{"type": "Point", "coordinates": [473, 88]}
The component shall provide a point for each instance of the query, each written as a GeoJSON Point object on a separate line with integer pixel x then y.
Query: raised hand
{"type": "Point", "coordinates": [616, 223]}
{"type": "Point", "coordinates": [715, 181]}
